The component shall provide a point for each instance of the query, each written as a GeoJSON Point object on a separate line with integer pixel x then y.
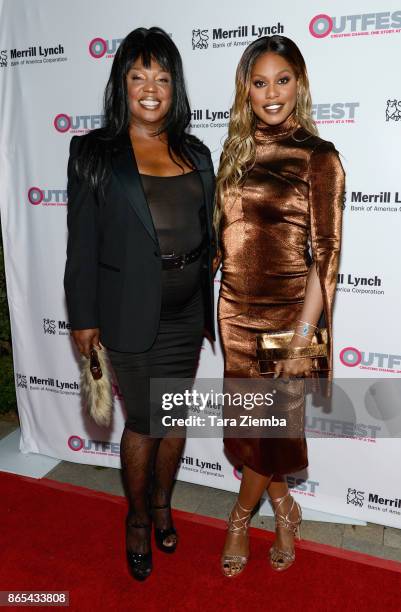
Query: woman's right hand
{"type": "Point", "coordinates": [293, 368]}
{"type": "Point", "coordinates": [85, 339]}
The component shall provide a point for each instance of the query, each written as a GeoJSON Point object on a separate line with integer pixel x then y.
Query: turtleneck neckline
{"type": "Point", "coordinates": [273, 132]}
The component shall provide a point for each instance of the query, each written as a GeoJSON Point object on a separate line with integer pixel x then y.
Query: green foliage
{"type": "Point", "coordinates": [7, 388]}
{"type": "Point", "coordinates": [5, 333]}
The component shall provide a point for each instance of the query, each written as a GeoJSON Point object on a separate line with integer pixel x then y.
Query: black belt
{"type": "Point", "coordinates": [173, 261]}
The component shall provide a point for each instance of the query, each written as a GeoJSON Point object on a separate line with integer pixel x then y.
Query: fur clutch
{"type": "Point", "coordinates": [96, 386]}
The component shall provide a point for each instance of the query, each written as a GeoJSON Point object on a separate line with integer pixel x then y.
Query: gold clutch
{"type": "Point", "coordinates": [273, 346]}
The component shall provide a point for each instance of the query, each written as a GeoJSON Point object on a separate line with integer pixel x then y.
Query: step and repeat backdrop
{"type": "Point", "coordinates": [55, 59]}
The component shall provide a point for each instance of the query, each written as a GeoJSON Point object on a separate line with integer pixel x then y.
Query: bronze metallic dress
{"type": "Point", "coordinates": [287, 214]}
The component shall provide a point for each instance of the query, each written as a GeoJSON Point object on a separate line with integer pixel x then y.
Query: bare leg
{"type": "Point", "coordinates": [237, 544]}
{"type": "Point", "coordinates": [166, 464]}
{"type": "Point", "coordinates": [137, 458]}
{"type": "Point", "coordinates": [284, 540]}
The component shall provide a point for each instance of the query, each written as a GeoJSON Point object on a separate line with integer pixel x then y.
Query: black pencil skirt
{"type": "Point", "coordinates": [174, 354]}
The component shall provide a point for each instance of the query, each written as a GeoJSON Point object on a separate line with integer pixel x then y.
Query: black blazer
{"type": "Point", "coordinates": [113, 271]}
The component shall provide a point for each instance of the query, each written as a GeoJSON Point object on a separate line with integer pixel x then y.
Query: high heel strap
{"type": "Point", "coordinates": [239, 523]}
{"type": "Point", "coordinates": [233, 564]}
{"type": "Point", "coordinates": [284, 519]}
{"type": "Point", "coordinates": [280, 499]}
{"type": "Point", "coordinates": [242, 507]}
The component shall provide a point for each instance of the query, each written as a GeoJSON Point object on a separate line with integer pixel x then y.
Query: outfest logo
{"type": "Point", "coordinates": [352, 357]}
{"type": "Point", "coordinates": [47, 197]}
{"type": "Point", "coordinates": [300, 485]}
{"type": "Point", "coordinates": [364, 24]}
{"type": "Point", "coordinates": [93, 447]}
{"type": "Point", "coordinates": [76, 124]}
{"type": "Point", "coordinates": [101, 47]}
{"type": "Point", "coordinates": [335, 112]}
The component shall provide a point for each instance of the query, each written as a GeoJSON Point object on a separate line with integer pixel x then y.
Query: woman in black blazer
{"type": "Point", "coordinates": [138, 276]}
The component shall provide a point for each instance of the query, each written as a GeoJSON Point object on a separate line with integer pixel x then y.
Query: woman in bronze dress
{"type": "Point", "coordinates": [280, 191]}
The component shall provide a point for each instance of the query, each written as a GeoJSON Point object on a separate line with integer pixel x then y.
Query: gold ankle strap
{"type": "Point", "coordinates": [238, 523]}
{"type": "Point", "coordinates": [242, 507]}
{"type": "Point", "coordinates": [280, 499]}
{"type": "Point", "coordinates": [284, 519]}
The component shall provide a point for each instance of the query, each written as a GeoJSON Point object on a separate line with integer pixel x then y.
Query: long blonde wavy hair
{"type": "Point", "coordinates": [239, 150]}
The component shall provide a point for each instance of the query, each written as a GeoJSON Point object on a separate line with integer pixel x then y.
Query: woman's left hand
{"type": "Point", "coordinates": [293, 368]}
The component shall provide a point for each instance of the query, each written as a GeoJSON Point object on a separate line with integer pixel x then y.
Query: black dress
{"type": "Point", "coordinates": [176, 205]}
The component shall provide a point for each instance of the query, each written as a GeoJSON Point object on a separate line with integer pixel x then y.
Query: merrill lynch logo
{"type": "Point", "coordinates": [200, 39]}
{"type": "Point", "coordinates": [393, 110]}
{"type": "Point", "coordinates": [355, 497]}
{"type": "Point", "coordinates": [21, 380]}
{"type": "Point", "coordinates": [49, 326]}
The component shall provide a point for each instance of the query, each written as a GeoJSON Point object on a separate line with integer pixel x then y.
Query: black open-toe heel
{"type": "Point", "coordinates": [140, 564]}
{"type": "Point", "coordinates": [162, 534]}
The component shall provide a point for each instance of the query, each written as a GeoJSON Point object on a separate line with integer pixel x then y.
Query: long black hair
{"type": "Point", "coordinates": [153, 43]}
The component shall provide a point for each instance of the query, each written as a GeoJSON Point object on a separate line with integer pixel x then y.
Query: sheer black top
{"type": "Point", "coordinates": [177, 208]}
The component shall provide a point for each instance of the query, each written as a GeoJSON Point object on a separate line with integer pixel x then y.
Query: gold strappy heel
{"type": "Point", "coordinates": [233, 565]}
{"type": "Point", "coordinates": [282, 559]}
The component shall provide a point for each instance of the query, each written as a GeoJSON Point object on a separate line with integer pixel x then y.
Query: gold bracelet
{"type": "Point", "coordinates": [301, 336]}
{"type": "Point", "coordinates": [307, 323]}
{"type": "Point", "coordinates": [305, 328]}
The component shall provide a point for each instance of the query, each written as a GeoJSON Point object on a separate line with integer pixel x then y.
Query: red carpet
{"type": "Point", "coordinates": [56, 536]}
